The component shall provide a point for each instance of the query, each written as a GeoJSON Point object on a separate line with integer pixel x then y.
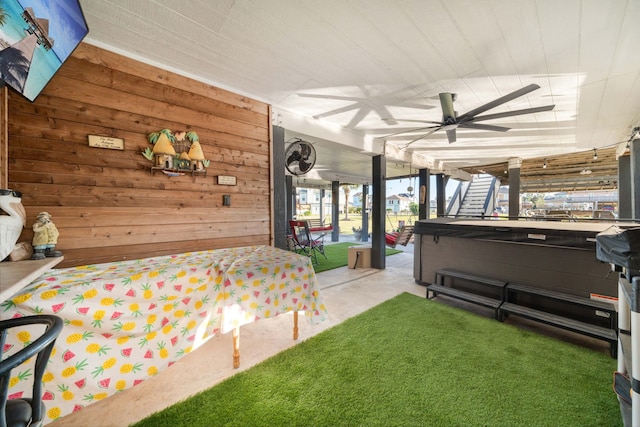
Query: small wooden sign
{"type": "Point", "coordinates": [226, 180]}
{"type": "Point", "coordinates": [106, 142]}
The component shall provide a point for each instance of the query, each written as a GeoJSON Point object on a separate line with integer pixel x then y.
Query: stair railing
{"type": "Point", "coordinates": [489, 201]}
{"type": "Point", "coordinates": [457, 198]}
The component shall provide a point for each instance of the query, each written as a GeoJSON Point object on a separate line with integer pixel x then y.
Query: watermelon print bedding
{"type": "Point", "coordinates": [127, 321]}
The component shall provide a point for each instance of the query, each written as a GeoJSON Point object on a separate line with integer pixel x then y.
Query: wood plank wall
{"type": "Point", "coordinates": [106, 203]}
{"type": "Point", "coordinates": [4, 139]}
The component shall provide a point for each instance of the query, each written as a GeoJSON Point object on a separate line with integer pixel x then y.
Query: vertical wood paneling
{"type": "Point", "coordinates": [106, 203]}
{"type": "Point", "coordinates": [4, 139]}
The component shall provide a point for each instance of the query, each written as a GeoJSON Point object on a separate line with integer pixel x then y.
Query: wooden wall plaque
{"type": "Point", "coordinates": [226, 180]}
{"type": "Point", "coordinates": [106, 142]}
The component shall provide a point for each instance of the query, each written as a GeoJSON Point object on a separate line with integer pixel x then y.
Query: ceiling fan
{"type": "Point", "coordinates": [451, 121]}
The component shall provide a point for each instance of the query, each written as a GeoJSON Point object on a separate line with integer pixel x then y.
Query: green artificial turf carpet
{"type": "Point", "coordinates": [337, 254]}
{"type": "Point", "coordinates": [413, 362]}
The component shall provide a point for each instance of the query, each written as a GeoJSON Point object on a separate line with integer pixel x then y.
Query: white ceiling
{"type": "Point", "coordinates": [336, 71]}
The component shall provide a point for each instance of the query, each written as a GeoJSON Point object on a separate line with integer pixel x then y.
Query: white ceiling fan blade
{"type": "Point", "coordinates": [472, 125]}
{"type": "Point", "coordinates": [513, 113]}
{"type": "Point", "coordinates": [503, 99]}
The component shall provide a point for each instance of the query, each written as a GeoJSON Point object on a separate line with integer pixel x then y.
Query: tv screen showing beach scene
{"type": "Point", "coordinates": [36, 37]}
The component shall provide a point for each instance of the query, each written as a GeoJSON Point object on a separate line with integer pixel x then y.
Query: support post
{"type": "Point", "coordinates": [634, 148]}
{"type": "Point", "coordinates": [291, 191]}
{"type": "Point", "coordinates": [378, 253]}
{"type": "Point", "coordinates": [514, 187]}
{"type": "Point", "coordinates": [335, 215]}
{"type": "Point", "coordinates": [280, 188]}
{"type": "Point", "coordinates": [440, 195]}
{"type": "Point", "coordinates": [365, 213]}
{"type": "Point", "coordinates": [423, 194]}
{"type": "Point", "coordinates": [625, 194]}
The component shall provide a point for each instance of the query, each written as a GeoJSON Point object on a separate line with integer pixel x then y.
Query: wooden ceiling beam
{"type": "Point", "coordinates": [562, 172]}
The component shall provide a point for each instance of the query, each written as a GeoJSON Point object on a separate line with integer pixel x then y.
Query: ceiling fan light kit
{"type": "Point", "coordinates": [452, 121]}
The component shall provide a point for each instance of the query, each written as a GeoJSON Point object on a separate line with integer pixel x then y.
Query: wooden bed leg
{"type": "Point", "coordinates": [295, 325]}
{"type": "Point", "coordinates": [236, 347]}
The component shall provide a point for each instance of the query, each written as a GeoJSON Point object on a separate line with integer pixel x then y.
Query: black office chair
{"type": "Point", "coordinates": [25, 412]}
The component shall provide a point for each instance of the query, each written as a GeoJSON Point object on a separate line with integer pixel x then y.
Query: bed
{"type": "Point", "coordinates": [126, 321]}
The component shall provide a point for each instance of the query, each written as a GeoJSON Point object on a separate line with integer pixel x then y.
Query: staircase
{"type": "Point", "coordinates": [475, 203]}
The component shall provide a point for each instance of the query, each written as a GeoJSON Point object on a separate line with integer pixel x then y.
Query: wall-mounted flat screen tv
{"type": "Point", "coordinates": [36, 37]}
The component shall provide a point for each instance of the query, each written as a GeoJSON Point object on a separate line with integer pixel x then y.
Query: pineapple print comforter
{"type": "Point", "coordinates": [127, 321]}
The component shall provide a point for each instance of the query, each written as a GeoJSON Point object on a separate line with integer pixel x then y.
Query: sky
{"type": "Point", "coordinates": [66, 28]}
{"type": "Point", "coordinates": [398, 186]}
{"type": "Point", "coordinates": [66, 23]}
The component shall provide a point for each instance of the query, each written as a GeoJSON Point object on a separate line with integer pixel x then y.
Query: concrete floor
{"type": "Point", "coordinates": [346, 293]}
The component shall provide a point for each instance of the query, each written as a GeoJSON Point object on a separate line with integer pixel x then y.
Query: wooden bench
{"type": "Point", "coordinates": [438, 287]}
{"type": "Point", "coordinates": [315, 225]}
{"type": "Point", "coordinates": [600, 308]}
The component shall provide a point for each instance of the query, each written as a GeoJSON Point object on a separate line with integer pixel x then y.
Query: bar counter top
{"type": "Point", "coordinates": [576, 235]}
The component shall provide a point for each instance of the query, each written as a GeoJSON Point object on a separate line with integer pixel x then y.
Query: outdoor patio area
{"type": "Point", "coordinates": [346, 292]}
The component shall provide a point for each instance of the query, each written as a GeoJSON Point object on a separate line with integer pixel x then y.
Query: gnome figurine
{"type": "Point", "coordinates": [45, 237]}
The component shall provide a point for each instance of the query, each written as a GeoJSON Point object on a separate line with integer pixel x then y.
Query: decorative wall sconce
{"type": "Point", "coordinates": [176, 153]}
